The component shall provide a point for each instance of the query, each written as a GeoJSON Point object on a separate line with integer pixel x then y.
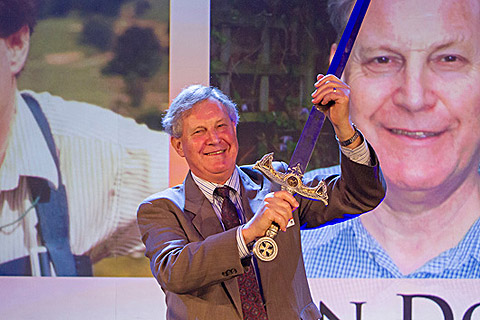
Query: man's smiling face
{"type": "Point", "coordinates": [415, 78]}
{"type": "Point", "coordinates": [209, 141]}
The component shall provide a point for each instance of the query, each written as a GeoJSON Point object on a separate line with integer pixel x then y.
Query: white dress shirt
{"type": "Point", "coordinates": [108, 163]}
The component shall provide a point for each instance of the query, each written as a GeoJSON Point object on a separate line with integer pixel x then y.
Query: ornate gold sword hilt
{"type": "Point", "coordinates": [266, 248]}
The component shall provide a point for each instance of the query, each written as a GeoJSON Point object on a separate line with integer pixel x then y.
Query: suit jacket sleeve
{"type": "Point", "coordinates": [359, 189]}
{"type": "Point", "coordinates": [181, 259]}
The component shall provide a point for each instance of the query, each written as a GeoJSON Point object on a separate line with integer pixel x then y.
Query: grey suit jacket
{"type": "Point", "coordinates": [196, 262]}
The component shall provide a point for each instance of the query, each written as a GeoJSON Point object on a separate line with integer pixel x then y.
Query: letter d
{"type": "Point", "coordinates": [407, 305]}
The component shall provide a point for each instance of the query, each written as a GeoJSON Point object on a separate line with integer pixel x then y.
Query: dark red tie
{"type": "Point", "coordinates": [252, 304]}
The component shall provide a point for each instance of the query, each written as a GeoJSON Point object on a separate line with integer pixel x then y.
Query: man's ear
{"type": "Point", "coordinates": [333, 48]}
{"type": "Point", "coordinates": [18, 45]}
{"type": "Point", "coordinates": [177, 145]}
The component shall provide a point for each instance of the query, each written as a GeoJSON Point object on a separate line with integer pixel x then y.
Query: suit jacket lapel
{"type": "Point", "coordinates": [204, 218]}
{"type": "Point", "coordinates": [207, 223]}
{"type": "Point", "coordinates": [251, 195]}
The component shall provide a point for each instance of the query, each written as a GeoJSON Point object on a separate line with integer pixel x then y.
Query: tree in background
{"type": "Point", "coordinates": [104, 7]}
{"type": "Point", "coordinates": [142, 6]}
{"type": "Point", "coordinates": [60, 8]}
{"type": "Point", "coordinates": [56, 8]}
{"type": "Point", "coordinates": [137, 57]}
{"type": "Point", "coordinates": [97, 32]}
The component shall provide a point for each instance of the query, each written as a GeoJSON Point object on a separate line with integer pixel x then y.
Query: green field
{"type": "Point", "coordinates": [61, 65]}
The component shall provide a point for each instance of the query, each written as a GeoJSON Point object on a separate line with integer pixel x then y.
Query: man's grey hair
{"type": "Point", "coordinates": [185, 101]}
{"type": "Point", "coordinates": [339, 12]}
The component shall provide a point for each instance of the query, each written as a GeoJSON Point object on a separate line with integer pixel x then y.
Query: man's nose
{"type": "Point", "coordinates": [213, 136]}
{"type": "Point", "coordinates": [414, 91]}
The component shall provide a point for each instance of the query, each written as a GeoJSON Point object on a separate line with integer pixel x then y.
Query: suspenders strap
{"type": "Point", "coordinates": [52, 209]}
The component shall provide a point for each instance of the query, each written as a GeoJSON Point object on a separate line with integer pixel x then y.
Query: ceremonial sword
{"type": "Point", "coordinates": [266, 248]}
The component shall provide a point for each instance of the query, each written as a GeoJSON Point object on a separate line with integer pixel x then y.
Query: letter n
{"type": "Point", "coordinates": [324, 311]}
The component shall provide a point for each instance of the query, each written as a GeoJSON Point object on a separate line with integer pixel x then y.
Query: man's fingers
{"type": "Point", "coordinates": [279, 207]}
{"type": "Point", "coordinates": [283, 196]}
{"type": "Point", "coordinates": [279, 219]}
{"type": "Point", "coordinates": [328, 88]}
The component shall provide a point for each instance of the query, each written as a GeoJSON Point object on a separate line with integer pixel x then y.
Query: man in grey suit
{"type": "Point", "coordinates": [203, 262]}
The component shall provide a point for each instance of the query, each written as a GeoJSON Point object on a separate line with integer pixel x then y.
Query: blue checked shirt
{"type": "Point", "coordinates": [347, 250]}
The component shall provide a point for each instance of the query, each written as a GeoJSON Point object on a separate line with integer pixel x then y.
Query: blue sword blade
{"type": "Point", "coordinates": [308, 138]}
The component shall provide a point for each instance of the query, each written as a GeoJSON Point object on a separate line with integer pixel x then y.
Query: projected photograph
{"type": "Point", "coordinates": [413, 80]}
{"type": "Point", "coordinates": [84, 136]}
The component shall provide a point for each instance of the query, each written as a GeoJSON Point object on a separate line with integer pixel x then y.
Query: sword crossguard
{"type": "Point", "coordinates": [266, 248]}
{"type": "Point", "coordinates": [291, 180]}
